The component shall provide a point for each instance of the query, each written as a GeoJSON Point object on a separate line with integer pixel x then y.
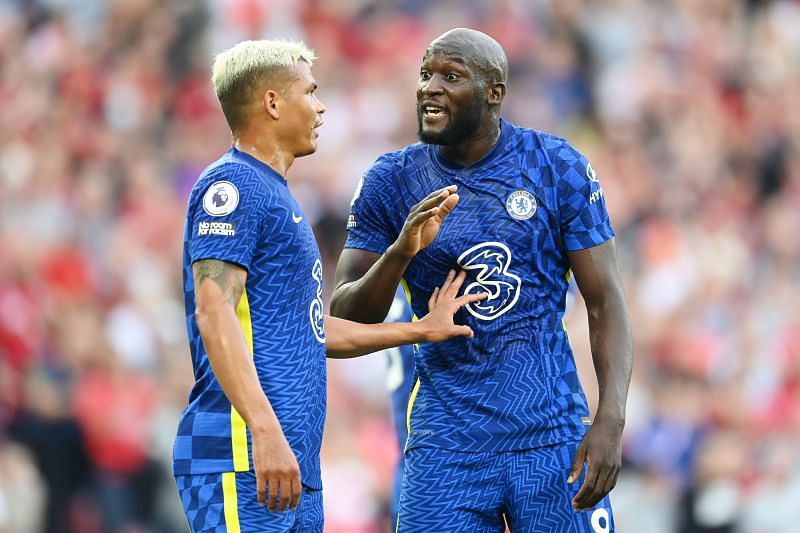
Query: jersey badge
{"type": "Point", "coordinates": [521, 205]}
{"type": "Point", "coordinates": [221, 199]}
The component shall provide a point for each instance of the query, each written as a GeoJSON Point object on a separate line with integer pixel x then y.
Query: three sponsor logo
{"type": "Point", "coordinates": [489, 263]}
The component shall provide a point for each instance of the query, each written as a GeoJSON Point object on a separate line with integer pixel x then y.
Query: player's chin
{"type": "Point", "coordinates": [307, 150]}
{"type": "Point", "coordinates": [431, 135]}
{"type": "Point", "coordinates": [433, 132]}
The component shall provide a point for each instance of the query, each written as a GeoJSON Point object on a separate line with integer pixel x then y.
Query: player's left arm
{"type": "Point", "coordinates": [345, 338]}
{"type": "Point", "coordinates": [597, 275]}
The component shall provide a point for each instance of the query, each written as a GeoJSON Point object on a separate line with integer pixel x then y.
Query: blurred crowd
{"type": "Point", "coordinates": [688, 111]}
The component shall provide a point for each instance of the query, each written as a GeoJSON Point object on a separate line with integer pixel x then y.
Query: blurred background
{"type": "Point", "coordinates": [688, 110]}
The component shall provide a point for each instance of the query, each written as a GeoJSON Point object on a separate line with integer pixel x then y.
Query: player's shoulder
{"type": "Point", "coordinates": [550, 148]}
{"type": "Point", "coordinates": [236, 168]}
{"type": "Point", "coordinates": [235, 174]}
{"type": "Point", "coordinates": [389, 172]}
{"type": "Point", "coordinates": [396, 163]}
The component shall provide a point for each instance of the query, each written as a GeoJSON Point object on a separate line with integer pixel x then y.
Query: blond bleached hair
{"type": "Point", "coordinates": [239, 71]}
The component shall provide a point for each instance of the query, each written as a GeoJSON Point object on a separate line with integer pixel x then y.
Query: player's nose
{"type": "Point", "coordinates": [432, 85]}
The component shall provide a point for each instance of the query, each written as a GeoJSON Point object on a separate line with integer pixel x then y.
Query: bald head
{"type": "Point", "coordinates": [479, 51]}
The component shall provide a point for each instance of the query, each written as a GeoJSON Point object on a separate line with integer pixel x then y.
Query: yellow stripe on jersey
{"type": "Point", "coordinates": [241, 462]}
{"type": "Point", "coordinates": [230, 502]}
{"type": "Point", "coordinates": [414, 391]}
{"type": "Point", "coordinates": [411, 399]}
{"type": "Point", "coordinates": [407, 291]}
{"type": "Point", "coordinates": [568, 277]}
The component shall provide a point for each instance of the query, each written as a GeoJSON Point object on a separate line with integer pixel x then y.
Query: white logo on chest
{"type": "Point", "coordinates": [489, 263]}
{"type": "Point", "coordinates": [521, 205]}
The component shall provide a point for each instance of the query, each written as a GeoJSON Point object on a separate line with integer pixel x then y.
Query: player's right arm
{"type": "Point", "coordinates": [218, 289]}
{"type": "Point", "coordinates": [366, 281]}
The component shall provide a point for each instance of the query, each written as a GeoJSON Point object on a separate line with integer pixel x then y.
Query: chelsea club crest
{"type": "Point", "coordinates": [521, 205]}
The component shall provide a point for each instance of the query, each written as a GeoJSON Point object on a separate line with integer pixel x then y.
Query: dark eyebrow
{"type": "Point", "coordinates": [456, 59]}
{"type": "Point", "coordinates": [452, 55]}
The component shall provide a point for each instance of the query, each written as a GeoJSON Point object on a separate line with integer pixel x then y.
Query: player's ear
{"type": "Point", "coordinates": [271, 103]}
{"type": "Point", "coordinates": [497, 91]}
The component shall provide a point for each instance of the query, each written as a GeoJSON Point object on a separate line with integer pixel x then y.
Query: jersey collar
{"type": "Point", "coordinates": [452, 168]}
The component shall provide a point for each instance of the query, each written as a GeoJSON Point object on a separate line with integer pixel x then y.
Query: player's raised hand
{"type": "Point", "coordinates": [424, 220]}
{"type": "Point", "coordinates": [601, 448]}
{"type": "Point", "coordinates": [443, 304]}
{"type": "Point", "coordinates": [277, 472]}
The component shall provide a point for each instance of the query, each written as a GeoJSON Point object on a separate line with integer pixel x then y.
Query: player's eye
{"type": "Point", "coordinates": [452, 76]}
{"type": "Point", "coordinates": [424, 75]}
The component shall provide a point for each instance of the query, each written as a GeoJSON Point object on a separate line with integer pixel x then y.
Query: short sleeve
{"type": "Point", "coordinates": [583, 216]}
{"type": "Point", "coordinates": [369, 226]}
{"type": "Point", "coordinates": [226, 214]}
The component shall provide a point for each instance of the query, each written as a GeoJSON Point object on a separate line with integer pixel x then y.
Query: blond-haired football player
{"type": "Point", "coordinates": [247, 451]}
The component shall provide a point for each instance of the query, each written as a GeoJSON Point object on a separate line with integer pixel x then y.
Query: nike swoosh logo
{"type": "Point", "coordinates": [296, 218]}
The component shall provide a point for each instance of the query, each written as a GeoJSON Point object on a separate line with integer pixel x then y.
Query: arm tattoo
{"type": "Point", "coordinates": [227, 276]}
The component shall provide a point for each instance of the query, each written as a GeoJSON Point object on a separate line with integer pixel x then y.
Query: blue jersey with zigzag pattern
{"type": "Point", "coordinates": [528, 202]}
{"type": "Point", "coordinates": [399, 380]}
{"type": "Point", "coordinates": [241, 211]}
{"type": "Point", "coordinates": [400, 368]}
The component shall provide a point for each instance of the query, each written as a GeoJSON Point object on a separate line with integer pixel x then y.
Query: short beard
{"type": "Point", "coordinates": [460, 127]}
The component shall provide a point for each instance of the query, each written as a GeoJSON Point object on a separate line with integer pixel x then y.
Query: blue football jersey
{"type": "Point", "coordinates": [241, 211]}
{"type": "Point", "coordinates": [399, 380]}
{"type": "Point", "coordinates": [400, 368]}
{"type": "Point", "coordinates": [514, 385]}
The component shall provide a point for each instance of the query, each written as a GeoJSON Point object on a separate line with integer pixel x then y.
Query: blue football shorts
{"type": "Point", "coordinates": [447, 491]}
{"type": "Point", "coordinates": [228, 503]}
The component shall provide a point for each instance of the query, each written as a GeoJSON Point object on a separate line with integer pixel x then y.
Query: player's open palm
{"type": "Point", "coordinates": [277, 472]}
{"type": "Point", "coordinates": [424, 220]}
{"type": "Point", "coordinates": [443, 304]}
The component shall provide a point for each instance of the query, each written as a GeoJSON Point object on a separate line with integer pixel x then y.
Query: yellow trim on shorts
{"type": "Point", "coordinates": [241, 461]}
{"type": "Point", "coordinates": [230, 502]}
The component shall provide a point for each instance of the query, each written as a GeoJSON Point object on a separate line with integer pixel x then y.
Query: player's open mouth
{"type": "Point", "coordinates": [433, 113]}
